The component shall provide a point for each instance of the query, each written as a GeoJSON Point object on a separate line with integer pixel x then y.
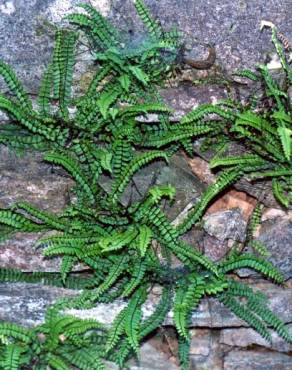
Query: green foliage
{"type": "Point", "coordinates": [265, 131]}
{"type": "Point", "coordinates": [128, 249]}
{"type": "Point", "coordinates": [53, 343]}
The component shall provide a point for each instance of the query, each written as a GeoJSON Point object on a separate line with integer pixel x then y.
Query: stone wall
{"type": "Point", "coordinates": [219, 339]}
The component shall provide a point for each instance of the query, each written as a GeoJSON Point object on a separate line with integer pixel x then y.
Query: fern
{"type": "Point", "coordinates": [152, 26]}
{"type": "Point", "coordinates": [251, 261]}
{"type": "Point", "coordinates": [15, 86]}
{"type": "Point", "coordinates": [72, 167]}
{"type": "Point", "coordinates": [126, 250]}
{"type": "Point", "coordinates": [247, 315]}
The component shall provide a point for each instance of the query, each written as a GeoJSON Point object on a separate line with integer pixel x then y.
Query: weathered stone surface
{"type": "Point", "coordinates": [243, 337]}
{"type": "Point", "coordinates": [232, 26]}
{"type": "Point", "coordinates": [150, 359]}
{"type": "Point", "coordinates": [210, 313]}
{"type": "Point", "coordinates": [254, 360]}
{"type": "Point", "coordinates": [28, 179]}
{"type": "Point", "coordinates": [277, 236]}
{"type": "Point", "coordinates": [176, 173]}
{"type": "Point", "coordinates": [26, 304]}
{"type": "Point", "coordinates": [205, 350]}
{"type": "Point", "coordinates": [226, 225]}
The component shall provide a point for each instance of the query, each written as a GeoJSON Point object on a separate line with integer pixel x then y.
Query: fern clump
{"type": "Point", "coordinates": [264, 130]}
{"type": "Point", "coordinates": [126, 249]}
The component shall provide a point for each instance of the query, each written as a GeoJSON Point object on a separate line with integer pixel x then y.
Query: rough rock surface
{"type": "Point", "coordinates": [256, 360]}
{"type": "Point", "coordinates": [220, 340]}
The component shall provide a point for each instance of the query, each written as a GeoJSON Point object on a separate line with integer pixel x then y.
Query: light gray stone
{"type": "Point", "coordinates": [150, 359]}
{"type": "Point", "coordinates": [25, 304]}
{"type": "Point", "coordinates": [226, 225]}
{"type": "Point", "coordinates": [27, 178]}
{"type": "Point", "coordinates": [276, 235]}
{"type": "Point", "coordinates": [245, 337]}
{"type": "Point", "coordinates": [253, 360]}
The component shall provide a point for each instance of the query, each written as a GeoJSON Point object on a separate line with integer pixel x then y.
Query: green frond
{"type": "Point", "coordinates": [184, 353]}
{"type": "Point", "coordinates": [269, 317]}
{"type": "Point", "coordinates": [152, 26]}
{"type": "Point", "coordinates": [246, 73]}
{"type": "Point", "coordinates": [279, 193]}
{"type": "Point", "coordinates": [141, 109]}
{"type": "Point", "coordinates": [95, 25]}
{"type": "Point", "coordinates": [74, 170]}
{"type": "Point", "coordinates": [144, 239]}
{"type": "Point", "coordinates": [65, 64]}
{"type": "Point", "coordinates": [133, 318]}
{"type": "Point", "coordinates": [57, 363]}
{"type": "Point", "coordinates": [137, 275]}
{"type": "Point", "coordinates": [138, 162]}
{"type": "Point", "coordinates": [225, 179]}
{"type": "Point", "coordinates": [14, 331]}
{"type": "Point", "coordinates": [273, 173]}
{"type": "Point", "coordinates": [32, 122]}
{"type": "Point", "coordinates": [248, 159]}
{"type": "Point", "coordinates": [204, 110]}
{"type": "Point", "coordinates": [44, 95]}
{"type": "Point", "coordinates": [281, 54]}
{"type": "Point", "coordinates": [175, 135]}
{"type": "Point", "coordinates": [254, 220]}
{"type": "Point", "coordinates": [215, 286]}
{"type": "Point", "coordinates": [67, 264]}
{"type": "Point", "coordinates": [118, 240]}
{"type": "Point", "coordinates": [18, 139]}
{"type": "Point", "coordinates": [18, 221]}
{"type": "Point", "coordinates": [186, 299]}
{"type": "Point", "coordinates": [15, 86]}
{"type": "Point", "coordinates": [243, 312]}
{"type": "Point", "coordinates": [12, 357]}
{"type": "Point", "coordinates": [157, 192]}
{"type": "Point", "coordinates": [116, 330]}
{"type": "Point", "coordinates": [259, 247]}
{"type": "Point", "coordinates": [285, 135]}
{"type": "Point", "coordinates": [248, 260]}
{"type": "Point", "coordinates": [47, 218]}
{"type": "Point", "coordinates": [85, 359]}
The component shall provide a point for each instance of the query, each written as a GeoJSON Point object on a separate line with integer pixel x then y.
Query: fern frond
{"type": "Point", "coordinates": [248, 159]}
{"type": "Point", "coordinates": [85, 359]}
{"type": "Point", "coordinates": [116, 330]}
{"type": "Point", "coordinates": [44, 95]}
{"type": "Point", "coordinates": [15, 86]}
{"type": "Point", "coordinates": [65, 64]}
{"type": "Point", "coordinates": [12, 356]}
{"type": "Point", "coordinates": [184, 353]}
{"type": "Point", "coordinates": [18, 222]}
{"type": "Point", "coordinates": [14, 331]}
{"type": "Point", "coordinates": [57, 363]}
{"type": "Point", "coordinates": [42, 216]}
{"type": "Point", "coordinates": [133, 318]}
{"type": "Point", "coordinates": [224, 180]}
{"type": "Point", "coordinates": [138, 162]}
{"type": "Point", "coordinates": [144, 239]}
{"type": "Point", "coordinates": [245, 314]}
{"type": "Point", "coordinates": [255, 220]}
{"type": "Point", "coordinates": [152, 26]}
{"type": "Point", "coordinates": [187, 299]}
{"type": "Point", "coordinates": [137, 273]}
{"type": "Point", "coordinates": [248, 260]}
{"type": "Point", "coordinates": [269, 317]}
{"type": "Point", "coordinates": [279, 193]}
{"type": "Point", "coordinates": [204, 110]}
{"type": "Point", "coordinates": [74, 169]}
